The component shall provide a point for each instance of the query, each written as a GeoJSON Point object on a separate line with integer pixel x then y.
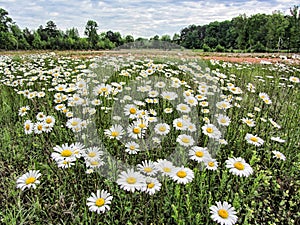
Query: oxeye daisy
{"type": "Point", "coordinates": [278, 139]}
{"type": "Point", "coordinates": [180, 124]}
{"type": "Point", "coordinates": [23, 110]}
{"type": "Point", "coordinates": [182, 175]}
{"type": "Point", "coordinates": [239, 167]}
{"type": "Point", "coordinates": [249, 122]}
{"type": "Point", "coordinates": [134, 131]}
{"type": "Point", "coordinates": [279, 155]}
{"type": "Point", "coordinates": [92, 153]}
{"type": "Point", "coordinates": [63, 152]}
{"type": "Point", "coordinates": [28, 180]}
{"type": "Point", "coordinates": [211, 131]}
{"type": "Point", "coordinates": [198, 154]}
{"type": "Point", "coordinates": [255, 140]}
{"type": "Point", "coordinates": [28, 127]}
{"type": "Point", "coordinates": [185, 140]}
{"type": "Point", "coordinates": [223, 120]}
{"type": "Point", "coordinates": [78, 149]}
{"type": "Point", "coordinates": [115, 132]}
{"type": "Point", "coordinates": [210, 163]}
{"type": "Point", "coordinates": [132, 147]}
{"type": "Point", "coordinates": [162, 129]}
{"type": "Point", "coordinates": [164, 166]}
{"type": "Point", "coordinates": [130, 180]}
{"type": "Point", "coordinates": [74, 124]}
{"type": "Point", "coordinates": [49, 120]}
{"type": "Point", "coordinates": [169, 95]}
{"type": "Point", "coordinates": [38, 128]}
{"type": "Point", "coordinates": [168, 110]}
{"type": "Point", "coordinates": [294, 79]}
{"type": "Point", "coordinates": [192, 101]}
{"type": "Point", "coordinates": [223, 105]}
{"type": "Point", "coordinates": [223, 213]}
{"type": "Point", "coordinates": [40, 116]}
{"type": "Point", "coordinates": [183, 108]}
{"type": "Point", "coordinates": [148, 168]}
{"type": "Point", "coordinates": [100, 201]}
{"type": "Point", "coordinates": [65, 163]}
{"type": "Point", "coordinates": [94, 163]}
{"type": "Point", "coordinates": [151, 186]}
{"type": "Point", "coordinates": [131, 110]}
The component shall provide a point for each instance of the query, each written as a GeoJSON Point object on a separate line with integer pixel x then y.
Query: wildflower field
{"type": "Point", "coordinates": [148, 139]}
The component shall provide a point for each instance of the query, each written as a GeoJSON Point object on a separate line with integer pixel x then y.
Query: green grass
{"type": "Point", "coordinates": [271, 195]}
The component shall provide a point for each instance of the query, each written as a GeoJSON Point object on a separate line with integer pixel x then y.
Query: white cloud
{"type": "Point", "coordinates": [138, 18]}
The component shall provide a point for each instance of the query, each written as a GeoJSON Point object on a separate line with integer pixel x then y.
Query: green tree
{"type": "Point", "coordinates": [91, 32]}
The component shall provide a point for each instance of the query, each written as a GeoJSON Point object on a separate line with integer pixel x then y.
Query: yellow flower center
{"type": "Point", "coordinates": [74, 123]}
{"type": "Point", "coordinates": [27, 127]}
{"type": "Point", "coordinates": [179, 124]}
{"type": "Point", "coordinates": [181, 174]}
{"type": "Point", "coordinates": [142, 125]}
{"type": "Point", "coordinates": [131, 180]}
{"type": "Point", "coordinates": [151, 185]}
{"type": "Point", "coordinates": [209, 130]}
{"type": "Point", "coordinates": [132, 147]}
{"type": "Point", "coordinates": [100, 202]}
{"type": "Point", "coordinates": [94, 163]}
{"type": "Point", "coordinates": [92, 154]}
{"type": "Point", "coordinates": [132, 110]}
{"type": "Point", "coordinates": [211, 164]}
{"type": "Point", "coordinates": [48, 120]}
{"type": "Point", "coordinates": [223, 213]}
{"type": "Point", "coordinates": [162, 129]}
{"type": "Point", "coordinates": [254, 139]}
{"type": "Point", "coordinates": [278, 155]}
{"type": "Point", "coordinates": [40, 127]}
{"type": "Point", "coordinates": [183, 107]}
{"type": "Point", "coordinates": [167, 169]}
{"type": "Point", "coordinates": [239, 165]}
{"type": "Point", "coordinates": [199, 154]}
{"type": "Point", "coordinates": [223, 120]}
{"type": "Point", "coordinates": [114, 133]}
{"type": "Point", "coordinates": [66, 153]}
{"type": "Point", "coordinates": [136, 130]}
{"type": "Point", "coordinates": [185, 140]}
{"type": "Point", "coordinates": [148, 169]}
{"type": "Point", "coordinates": [30, 180]}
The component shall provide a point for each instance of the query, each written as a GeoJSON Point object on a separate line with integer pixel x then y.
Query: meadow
{"type": "Point", "coordinates": [148, 139]}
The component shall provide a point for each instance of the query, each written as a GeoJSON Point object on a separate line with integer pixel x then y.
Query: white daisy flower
{"type": "Point", "coordinates": [49, 120]}
{"type": "Point", "coordinates": [239, 167]}
{"type": "Point", "coordinates": [211, 131]}
{"type": "Point", "coordinates": [99, 202]}
{"type": "Point", "coordinates": [28, 180]}
{"type": "Point", "coordinates": [223, 120]}
{"type": "Point", "coordinates": [249, 122]}
{"type": "Point", "coordinates": [132, 147]}
{"type": "Point", "coordinates": [28, 127]}
{"type": "Point", "coordinates": [115, 132]}
{"type": "Point", "coordinates": [198, 154]}
{"type": "Point", "coordinates": [223, 213]}
{"type": "Point", "coordinates": [183, 108]}
{"type": "Point", "coordinates": [38, 127]}
{"type": "Point", "coordinates": [185, 140]}
{"type": "Point", "coordinates": [148, 168]}
{"type": "Point", "coordinates": [182, 175]}
{"type": "Point", "coordinates": [164, 166]}
{"type": "Point", "coordinates": [210, 163]}
{"type": "Point", "coordinates": [152, 185]}
{"type": "Point", "coordinates": [130, 180]}
{"type": "Point", "coordinates": [255, 140]}
{"type": "Point", "coordinates": [279, 155]}
{"type": "Point", "coordinates": [162, 128]}
{"type": "Point", "coordinates": [23, 110]}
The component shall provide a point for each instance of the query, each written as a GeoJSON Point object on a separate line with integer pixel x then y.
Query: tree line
{"type": "Point", "coordinates": [255, 33]}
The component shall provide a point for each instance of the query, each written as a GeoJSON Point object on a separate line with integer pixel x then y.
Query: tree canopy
{"type": "Point", "coordinates": [255, 33]}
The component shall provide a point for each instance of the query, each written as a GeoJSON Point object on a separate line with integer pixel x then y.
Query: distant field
{"type": "Point", "coordinates": [165, 135]}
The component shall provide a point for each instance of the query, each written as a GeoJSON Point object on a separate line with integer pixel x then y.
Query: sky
{"type": "Point", "coordinates": [137, 18]}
